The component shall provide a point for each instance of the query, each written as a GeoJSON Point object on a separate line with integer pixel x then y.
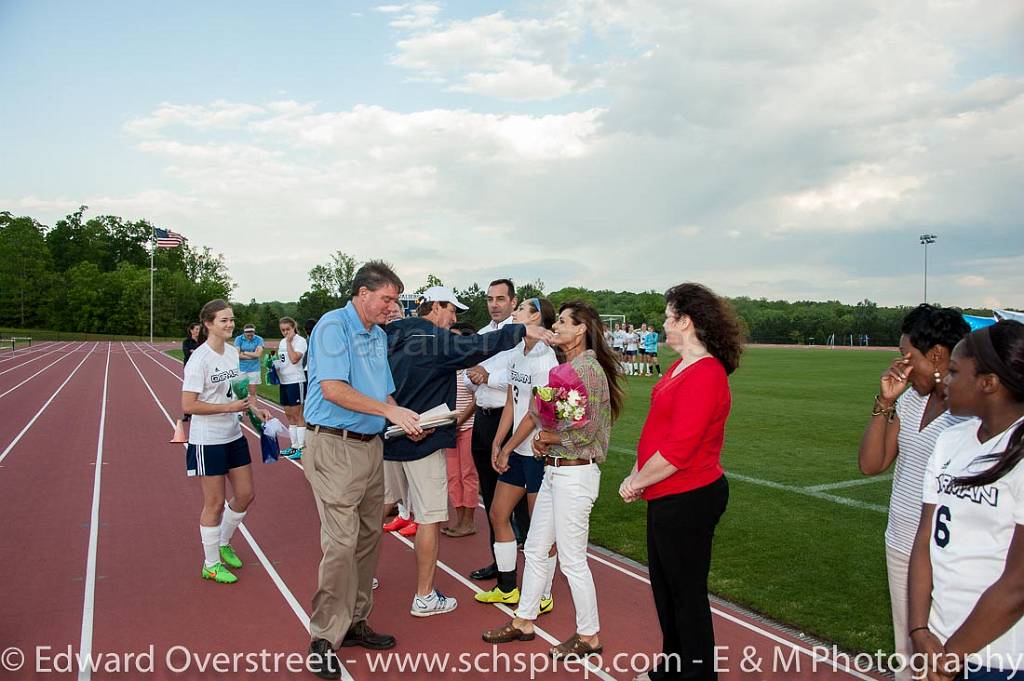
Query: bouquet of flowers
{"type": "Point", "coordinates": [562, 403]}
{"type": "Point", "coordinates": [240, 389]}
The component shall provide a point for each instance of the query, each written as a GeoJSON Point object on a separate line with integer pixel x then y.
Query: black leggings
{"type": "Point", "coordinates": [680, 528]}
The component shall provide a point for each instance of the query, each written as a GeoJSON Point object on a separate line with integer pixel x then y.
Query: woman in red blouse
{"type": "Point", "coordinates": [678, 471]}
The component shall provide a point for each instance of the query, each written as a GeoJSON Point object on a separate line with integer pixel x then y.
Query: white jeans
{"type": "Point", "coordinates": [898, 565]}
{"type": "Point", "coordinates": [561, 514]}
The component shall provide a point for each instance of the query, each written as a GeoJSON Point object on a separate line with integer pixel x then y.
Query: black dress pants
{"type": "Point", "coordinates": [680, 528]}
{"type": "Point", "coordinates": [485, 426]}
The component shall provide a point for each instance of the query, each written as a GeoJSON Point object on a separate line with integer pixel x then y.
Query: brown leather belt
{"type": "Point", "coordinates": [558, 461]}
{"type": "Point", "coordinates": [340, 432]}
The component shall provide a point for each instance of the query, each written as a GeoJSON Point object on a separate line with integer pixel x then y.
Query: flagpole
{"type": "Point", "coordinates": [152, 250]}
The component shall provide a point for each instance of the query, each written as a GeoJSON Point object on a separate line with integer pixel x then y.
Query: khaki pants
{"type": "Point", "coordinates": [347, 477]}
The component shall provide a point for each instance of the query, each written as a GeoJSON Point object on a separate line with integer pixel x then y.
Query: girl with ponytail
{"type": "Point", "coordinates": [967, 565]}
{"type": "Point", "coordinates": [217, 451]}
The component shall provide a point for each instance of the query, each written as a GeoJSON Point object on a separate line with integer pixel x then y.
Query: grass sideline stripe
{"type": "Point", "coordinates": [863, 505]}
{"type": "Point", "coordinates": [856, 482]}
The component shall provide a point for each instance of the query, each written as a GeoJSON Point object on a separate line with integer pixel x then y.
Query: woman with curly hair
{"type": "Point", "coordinates": [679, 472]}
{"type": "Point", "coordinates": [903, 429]}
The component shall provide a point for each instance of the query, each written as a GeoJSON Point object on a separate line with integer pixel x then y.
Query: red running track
{"type": "Point", "coordinates": [129, 582]}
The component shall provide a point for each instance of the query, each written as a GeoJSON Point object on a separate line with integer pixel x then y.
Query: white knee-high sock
{"type": "Point", "coordinates": [300, 433]}
{"type": "Point", "coordinates": [293, 436]}
{"type": "Point", "coordinates": [229, 524]}
{"type": "Point", "coordinates": [552, 564]}
{"type": "Point", "coordinates": [211, 544]}
{"type": "Point", "coordinates": [505, 555]}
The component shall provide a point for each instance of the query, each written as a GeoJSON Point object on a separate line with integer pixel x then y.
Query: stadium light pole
{"type": "Point", "coordinates": [152, 251]}
{"type": "Point", "coordinates": [925, 240]}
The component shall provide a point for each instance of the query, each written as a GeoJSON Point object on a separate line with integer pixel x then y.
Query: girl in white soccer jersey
{"type": "Point", "coordinates": [288, 364]}
{"type": "Point", "coordinates": [520, 472]}
{"type": "Point", "coordinates": [967, 565]}
{"type": "Point", "coordinates": [216, 446]}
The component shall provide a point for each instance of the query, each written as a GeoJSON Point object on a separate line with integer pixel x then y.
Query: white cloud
{"type": "Point", "coordinates": [517, 80]}
{"type": "Point", "coordinates": [384, 135]}
{"type": "Point", "coordinates": [218, 114]}
{"type": "Point", "coordinates": [863, 185]}
{"type": "Point", "coordinates": [494, 56]}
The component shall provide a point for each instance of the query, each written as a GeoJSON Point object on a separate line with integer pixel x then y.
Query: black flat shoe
{"type": "Point", "coordinates": [362, 635]}
{"type": "Point", "coordinates": [322, 661]}
{"type": "Point", "coordinates": [489, 572]}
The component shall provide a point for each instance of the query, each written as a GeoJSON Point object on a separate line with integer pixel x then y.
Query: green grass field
{"type": "Point", "coordinates": [805, 560]}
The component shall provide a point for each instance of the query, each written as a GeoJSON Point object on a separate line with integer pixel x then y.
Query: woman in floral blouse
{"type": "Point", "coordinates": [561, 514]}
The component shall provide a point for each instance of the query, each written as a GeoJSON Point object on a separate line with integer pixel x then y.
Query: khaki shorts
{"type": "Point", "coordinates": [254, 377]}
{"type": "Point", "coordinates": [421, 484]}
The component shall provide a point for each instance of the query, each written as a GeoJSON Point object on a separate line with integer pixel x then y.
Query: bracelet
{"type": "Point", "coordinates": [889, 411]}
{"type": "Point", "coordinates": [911, 632]}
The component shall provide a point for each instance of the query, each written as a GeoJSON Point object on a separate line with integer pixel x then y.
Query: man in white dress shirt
{"type": "Point", "coordinates": [490, 384]}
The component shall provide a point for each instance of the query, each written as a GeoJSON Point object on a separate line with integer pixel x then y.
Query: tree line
{"type": "Point", "coordinates": [763, 320]}
{"type": "Point", "coordinates": [92, 276]}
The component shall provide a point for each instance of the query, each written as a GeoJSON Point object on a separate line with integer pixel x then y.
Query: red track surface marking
{"type": "Point", "coordinates": [7, 355]}
{"type": "Point", "coordinates": [45, 483]}
{"type": "Point", "coordinates": [14, 366]}
{"type": "Point", "coordinates": [148, 590]}
{"type": "Point", "coordinates": [26, 407]}
{"type": "Point", "coordinates": [8, 386]}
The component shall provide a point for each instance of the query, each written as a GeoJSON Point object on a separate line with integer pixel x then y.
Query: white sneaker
{"type": "Point", "coordinates": [434, 603]}
{"type": "Point", "coordinates": [375, 584]}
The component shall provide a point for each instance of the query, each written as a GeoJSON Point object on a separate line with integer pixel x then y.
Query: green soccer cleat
{"type": "Point", "coordinates": [547, 605]}
{"type": "Point", "coordinates": [496, 595]}
{"type": "Point", "coordinates": [219, 573]}
{"type": "Point", "coordinates": [296, 454]}
{"type": "Point", "coordinates": [228, 557]}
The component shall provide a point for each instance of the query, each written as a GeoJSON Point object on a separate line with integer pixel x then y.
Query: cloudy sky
{"type": "Point", "coordinates": [791, 149]}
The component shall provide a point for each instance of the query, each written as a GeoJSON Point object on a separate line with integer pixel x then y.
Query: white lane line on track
{"type": "Point", "coordinates": [289, 597]}
{"type": "Point", "coordinates": [3, 455]}
{"type": "Point", "coordinates": [725, 615]}
{"type": "Point", "coordinates": [59, 359]}
{"type": "Point", "coordinates": [89, 601]}
{"type": "Point", "coordinates": [10, 369]}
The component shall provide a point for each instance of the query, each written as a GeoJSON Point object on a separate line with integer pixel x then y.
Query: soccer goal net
{"type": "Point", "coordinates": [610, 320]}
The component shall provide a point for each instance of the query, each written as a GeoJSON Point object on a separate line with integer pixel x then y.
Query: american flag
{"type": "Point", "coordinates": [165, 238]}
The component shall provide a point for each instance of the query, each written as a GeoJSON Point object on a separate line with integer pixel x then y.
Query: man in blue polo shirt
{"type": "Point", "coordinates": [348, 403]}
{"type": "Point", "coordinates": [250, 349]}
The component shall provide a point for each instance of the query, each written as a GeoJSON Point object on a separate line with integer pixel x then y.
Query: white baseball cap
{"type": "Point", "coordinates": [442, 294]}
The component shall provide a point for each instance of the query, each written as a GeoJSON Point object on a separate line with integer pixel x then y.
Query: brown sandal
{"type": "Point", "coordinates": [574, 649]}
{"type": "Point", "coordinates": [456, 532]}
{"type": "Point", "coordinates": [506, 634]}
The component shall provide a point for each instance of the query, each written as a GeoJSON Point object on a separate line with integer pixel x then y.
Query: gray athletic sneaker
{"type": "Point", "coordinates": [434, 603]}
